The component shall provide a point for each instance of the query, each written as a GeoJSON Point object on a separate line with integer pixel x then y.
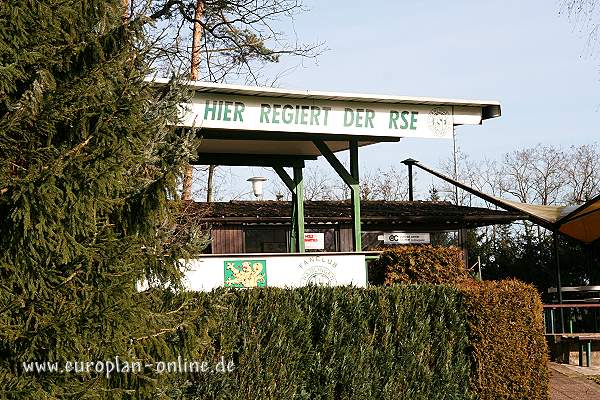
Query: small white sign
{"type": "Point", "coordinates": [314, 241]}
{"type": "Point", "coordinates": [406, 238]}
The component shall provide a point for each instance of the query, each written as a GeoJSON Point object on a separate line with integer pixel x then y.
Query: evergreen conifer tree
{"type": "Point", "coordinates": [88, 171]}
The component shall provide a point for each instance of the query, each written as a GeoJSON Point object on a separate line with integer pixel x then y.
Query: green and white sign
{"type": "Point", "coordinates": [257, 113]}
{"type": "Point", "coordinates": [244, 273]}
{"type": "Point", "coordinates": [273, 270]}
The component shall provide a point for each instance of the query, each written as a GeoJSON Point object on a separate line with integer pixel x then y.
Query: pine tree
{"type": "Point", "coordinates": [88, 171]}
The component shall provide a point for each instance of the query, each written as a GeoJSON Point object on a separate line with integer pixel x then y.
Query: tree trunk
{"type": "Point", "coordinates": [196, 40]}
{"type": "Point", "coordinates": [125, 14]}
{"type": "Point", "coordinates": [194, 72]}
{"type": "Point", "coordinates": [209, 183]}
{"type": "Point", "coordinates": [187, 182]}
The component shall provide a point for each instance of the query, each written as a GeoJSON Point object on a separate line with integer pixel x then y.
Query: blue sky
{"type": "Point", "coordinates": [525, 54]}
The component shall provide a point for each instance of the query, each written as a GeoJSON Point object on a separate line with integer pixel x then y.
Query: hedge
{"type": "Point", "coordinates": [406, 342]}
{"type": "Point", "coordinates": [456, 340]}
{"type": "Point", "coordinates": [506, 334]}
{"type": "Point", "coordinates": [419, 264]}
{"type": "Point", "coordinates": [508, 349]}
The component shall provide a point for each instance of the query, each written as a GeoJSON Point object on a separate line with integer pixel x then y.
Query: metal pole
{"type": "Point", "coordinates": [588, 261]}
{"type": "Point", "coordinates": [410, 183]}
{"type": "Point", "coordinates": [292, 186]}
{"type": "Point", "coordinates": [409, 162]}
{"type": "Point", "coordinates": [294, 224]}
{"type": "Point", "coordinates": [558, 280]}
{"type": "Point", "coordinates": [298, 180]}
{"type": "Point", "coordinates": [455, 163]}
{"type": "Point", "coordinates": [570, 324]}
{"type": "Point", "coordinates": [355, 188]}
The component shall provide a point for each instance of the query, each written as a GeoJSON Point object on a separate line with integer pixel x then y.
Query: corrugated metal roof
{"type": "Point", "coordinates": [490, 108]}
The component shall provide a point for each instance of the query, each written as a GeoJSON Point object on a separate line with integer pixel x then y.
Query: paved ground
{"type": "Point", "coordinates": [568, 382]}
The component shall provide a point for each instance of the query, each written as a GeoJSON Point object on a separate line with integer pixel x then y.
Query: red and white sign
{"type": "Point", "coordinates": [314, 241]}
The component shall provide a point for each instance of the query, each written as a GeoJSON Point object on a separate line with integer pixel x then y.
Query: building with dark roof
{"type": "Point", "coordinates": [264, 226]}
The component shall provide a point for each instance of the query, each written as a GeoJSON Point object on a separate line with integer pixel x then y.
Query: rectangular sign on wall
{"type": "Point", "coordinates": [258, 113]}
{"type": "Point", "coordinates": [286, 271]}
{"type": "Point", "coordinates": [314, 241]}
{"type": "Point", "coordinates": [406, 238]}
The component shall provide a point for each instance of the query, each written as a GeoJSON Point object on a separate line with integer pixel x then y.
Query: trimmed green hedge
{"type": "Point", "coordinates": [508, 350]}
{"type": "Point", "coordinates": [462, 340]}
{"type": "Point", "coordinates": [506, 333]}
{"type": "Point", "coordinates": [407, 342]}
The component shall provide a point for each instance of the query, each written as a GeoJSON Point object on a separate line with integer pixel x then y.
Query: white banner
{"type": "Point", "coordinates": [406, 238]}
{"type": "Point", "coordinates": [286, 271]}
{"type": "Point", "coordinates": [256, 113]}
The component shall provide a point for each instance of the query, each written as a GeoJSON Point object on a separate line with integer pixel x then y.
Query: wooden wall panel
{"type": "Point", "coordinates": [346, 238]}
{"type": "Point", "coordinates": [227, 239]}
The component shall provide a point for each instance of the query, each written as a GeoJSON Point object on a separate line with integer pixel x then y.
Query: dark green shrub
{"type": "Point", "coordinates": [336, 343]}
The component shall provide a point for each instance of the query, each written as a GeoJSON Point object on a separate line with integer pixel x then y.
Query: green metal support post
{"type": "Point", "coordinates": [289, 182]}
{"type": "Point", "coordinates": [294, 223]}
{"type": "Point", "coordinates": [351, 179]}
{"type": "Point", "coordinates": [355, 187]}
{"type": "Point", "coordinates": [299, 205]}
{"type": "Point", "coordinates": [296, 186]}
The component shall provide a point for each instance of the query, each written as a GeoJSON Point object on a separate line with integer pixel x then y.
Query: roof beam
{"type": "Point", "coordinates": [348, 179]}
{"type": "Point", "coordinates": [282, 136]}
{"type": "Point", "coordinates": [289, 182]}
{"type": "Point", "coordinates": [481, 195]}
{"type": "Point", "coordinates": [250, 160]}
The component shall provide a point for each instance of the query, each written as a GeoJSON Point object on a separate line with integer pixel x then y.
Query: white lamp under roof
{"type": "Point", "coordinates": [257, 185]}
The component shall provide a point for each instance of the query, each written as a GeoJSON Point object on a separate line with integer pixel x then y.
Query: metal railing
{"type": "Point", "coordinates": [572, 318]}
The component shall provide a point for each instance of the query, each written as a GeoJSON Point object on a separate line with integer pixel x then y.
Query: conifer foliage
{"type": "Point", "coordinates": [88, 167]}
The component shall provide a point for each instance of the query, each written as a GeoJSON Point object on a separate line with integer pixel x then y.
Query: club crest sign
{"type": "Point", "coordinates": [440, 122]}
{"type": "Point", "coordinates": [319, 270]}
{"type": "Point", "coordinates": [245, 273]}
